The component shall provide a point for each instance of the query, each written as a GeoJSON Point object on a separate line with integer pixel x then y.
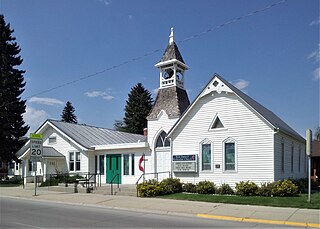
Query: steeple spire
{"type": "Point", "coordinates": [171, 37]}
{"type": "Point", "coordinates": [172, 96]}
{"type": "Point", "coordinates": [172, 66]}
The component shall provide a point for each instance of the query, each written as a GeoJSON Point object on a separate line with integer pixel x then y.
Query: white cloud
{"type": "Point", "coordinates": [103, 94]}
{"type": "Point", "coordinates": [34, 118]}
{"type": "Point", "coordinates": [315, 55]}
{"type": "Point", "coordinates": [316, 74]}
{"type": "Point", "coordinates": [94, 94]}
{"type": "Point", "coordinates": [240, 84]}
{"type": "Point", "coordinates": [315, 22]}
{"type": "Point", "coordinates": [46, 101]}
{"type": "Point", "coordinates": [108, 97]}
{"type": "Point", "coordinates": [106, 2]}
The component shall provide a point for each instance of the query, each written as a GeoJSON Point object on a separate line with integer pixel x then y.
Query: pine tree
{"type": "Point", "coordinates": [137, 108]}
{"type": "Point", "coordinates": [317, 134]}
{"type": "Point", "coordinates": [68, 114]}
{"type": "Point", "coordinates": [12, 107]}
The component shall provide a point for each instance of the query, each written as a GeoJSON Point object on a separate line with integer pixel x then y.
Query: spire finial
{"type": "Point", "coordinates": [171, 38]}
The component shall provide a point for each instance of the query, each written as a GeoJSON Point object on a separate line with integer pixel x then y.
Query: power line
{"type": "Point", "coordinates": [232, 21]}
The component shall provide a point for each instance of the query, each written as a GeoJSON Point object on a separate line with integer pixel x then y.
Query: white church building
{"type": "Point", "coordinates": [223, 136]}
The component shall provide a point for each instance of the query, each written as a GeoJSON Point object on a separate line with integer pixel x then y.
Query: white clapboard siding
{"type": "Point", "coordinates": [64, 146]}
{"type": "Point", "coordinates": [287, 173]}
{"type": "Point", "coordinates": [253, 136]}
{"type": "Point", "coordinates": [163, 123]}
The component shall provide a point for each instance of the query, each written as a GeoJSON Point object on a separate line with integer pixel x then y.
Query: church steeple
{"type": "Point", "coordinates": [172, 66]}
{"type": "Point", "coordinates": [172, 96]}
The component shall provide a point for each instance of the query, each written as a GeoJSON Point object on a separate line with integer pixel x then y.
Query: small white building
{"type": "Point", "coordinates": [81, 149]}
{"type": "Point", "coordinates": [223, 136]}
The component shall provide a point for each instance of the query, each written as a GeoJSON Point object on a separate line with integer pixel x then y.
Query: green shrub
{"type": "Point", "coordinates": [72, 179]}
{"type": "Point", "coordinates": [171, 185]}
{"type": "Point", "coordinates": [265, 189]}
{"type": "Point", "coordinates": [189, 187]}
{"type": "Point", "coordinates": [13, 180]}
{"type": "Point", "coordinates": [206, 187]}
{"type": "Point", "coordinates": [302, 184]}
{"type": "Point", "coordinates": [61, 178]}
{"type": "Point", "coordinates": [149, 188]}
{"type": "Point", "coordinates": [284, 188]}
{"type": "Point", "coordinates": [247, 188]}
{"type": "Point", "coordinates": [225, 189]}
{"type": "Point", "coordinates": [50, 182]}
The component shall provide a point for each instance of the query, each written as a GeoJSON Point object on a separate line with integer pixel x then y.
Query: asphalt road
{"type": "Point", "coordinates": [22, 213]}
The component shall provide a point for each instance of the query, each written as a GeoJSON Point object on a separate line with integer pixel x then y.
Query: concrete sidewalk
{"type": "Point", "coordinates": [245, 213]}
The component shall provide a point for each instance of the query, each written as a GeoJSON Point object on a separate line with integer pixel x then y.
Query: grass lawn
{"type": "Point", "coordinates": [8, 185]}
{"type": "Point", "coordinates": [293, 202]}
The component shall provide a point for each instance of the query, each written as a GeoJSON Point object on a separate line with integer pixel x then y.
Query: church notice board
{"type": "Point", "coordinates": [185, 163]}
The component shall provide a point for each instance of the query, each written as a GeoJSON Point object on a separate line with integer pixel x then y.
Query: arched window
{"type": "Point", "coordinates": [206, 155]}
{"type": "Point", "coordinates": [162, 140]}
{"type": "Point", "coordinates": [230, 155]}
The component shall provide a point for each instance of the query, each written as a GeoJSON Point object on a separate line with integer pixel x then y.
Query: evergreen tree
{"type": "Point", "coordinates": [12, 107]}
{"type": "Point", "coordinates": [137, 108]}
{"type": "Point", "coordinates": [68, 114]}
{"type": "Point", "coordinates": [317, 134]}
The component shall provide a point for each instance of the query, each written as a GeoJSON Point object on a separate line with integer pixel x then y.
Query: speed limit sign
{"type": "Point", "coordinates": [36, 149]}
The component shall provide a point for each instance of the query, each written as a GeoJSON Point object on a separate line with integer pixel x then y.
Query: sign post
{"type": "Point", "coordinates": [308, 152]}
{"type": "Point", "coordinates": [36, 152]}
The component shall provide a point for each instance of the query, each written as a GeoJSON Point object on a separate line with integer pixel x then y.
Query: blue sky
{"type": "Point", "coordinates": [273, 55]}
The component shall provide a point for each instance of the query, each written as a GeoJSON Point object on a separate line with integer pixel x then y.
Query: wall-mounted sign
{"type": "Point", "coordinates": [191, 157]}
{"type": "Point", "coordinates": [185, 163]}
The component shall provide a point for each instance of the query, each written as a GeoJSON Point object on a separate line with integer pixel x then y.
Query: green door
{"type": "Point", "coordinates": [113, 165]}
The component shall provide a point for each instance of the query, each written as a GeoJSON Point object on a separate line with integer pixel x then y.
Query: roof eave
{"type": "Point", "coordinates": [135, 145]}
{"type": "Point", "coordinates": [172, 61]}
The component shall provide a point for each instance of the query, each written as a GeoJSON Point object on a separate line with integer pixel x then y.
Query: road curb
{"type": "Point", "coordinates": [264, 221]}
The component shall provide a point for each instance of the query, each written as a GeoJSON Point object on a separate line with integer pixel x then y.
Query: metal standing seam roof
{"type": "Point", "coordinates": [47, 151]}
{"type": "Point", "coordinates": [264, 112]}
{"type": "Point", "coordinates": [88, 136]}
{"type": "Point", "coordinates": [51, 152]}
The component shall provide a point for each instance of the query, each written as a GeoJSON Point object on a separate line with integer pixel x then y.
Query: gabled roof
{"type": "Point", "coordinates": [173, 100]}
{"type": "Point", "coordinates": [88, 136]}
{"type": "Point", "coordinates": [48, 152]}
{"type": "Point", "coordinates": [51, 152]}
{"type": "Point", "coordinates": [268, 115]}
{"type": "Point", "coordinates": [172, 52]}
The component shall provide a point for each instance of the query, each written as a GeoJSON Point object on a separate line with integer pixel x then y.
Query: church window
{"type": "Point", "coordinates": [230, 155]}
{"type": "Point", "coordinates": [206, 157]}
{"type": "Point", "coordinates": [162, 140]}
{"type": "Point", "coordinates": [101, 164]}
{"type": "Point", "coordinates": [126, 164]}
{"type": "Point", "coordinates": [216, 124]}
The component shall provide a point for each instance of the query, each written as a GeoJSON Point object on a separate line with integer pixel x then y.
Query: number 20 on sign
{"type": "Point", "coordinates": [36, 145]}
